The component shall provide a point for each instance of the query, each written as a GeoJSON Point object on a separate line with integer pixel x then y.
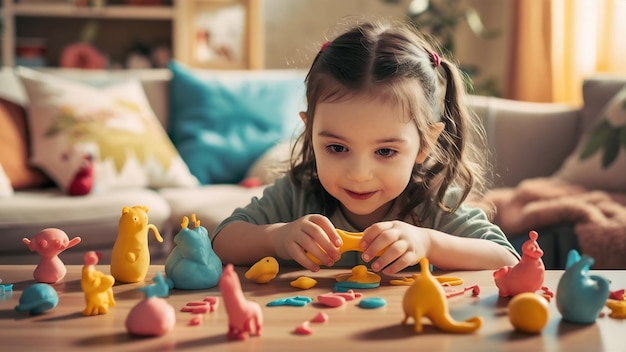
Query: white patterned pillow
{"type": "Point", "coordinates": [112, 130]}
{"type": "Point", "coordinates": [599, 160]}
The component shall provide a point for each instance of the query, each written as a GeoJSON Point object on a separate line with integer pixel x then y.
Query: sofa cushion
{"type": "Point", "coordinates": [6, 191]}
{"type": "Point", "coordinates": [93, 217]}
{"type": "Point", "coordinates": [599, 160]}
{"type": "Point", "coordinates": [210, 203]}
{"type": "Point", "coordinates": [74, 125]}
{"type": "Point", "coordinates": [274, 163]}
{"type": "Point", "coordinates": [15, 149]}
{"type": "Point", "coordinates": [221, 121]}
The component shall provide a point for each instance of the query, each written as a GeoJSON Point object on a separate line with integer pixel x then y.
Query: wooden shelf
{"type": "Point", "coordinates": [112, 11]}
{"type": "Point", "coordinates": [121, 27]}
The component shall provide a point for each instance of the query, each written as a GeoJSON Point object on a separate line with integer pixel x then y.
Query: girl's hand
{"type": "Point", "coordinates": [403, 244]}
{"type": "Point", "coordinates": [314, 234]}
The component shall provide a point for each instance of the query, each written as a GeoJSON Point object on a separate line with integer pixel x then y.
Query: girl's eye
{"type": "Point", "coordinates": [336, 148]}
{"type": "Point", "coordinates": [386, 152]}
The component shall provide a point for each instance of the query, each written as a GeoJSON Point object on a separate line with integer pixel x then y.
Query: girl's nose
{"type": "Point", "coordinates": [359, 169]}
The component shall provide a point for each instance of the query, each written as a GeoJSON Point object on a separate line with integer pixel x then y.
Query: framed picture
{"type": "Point", "coordinates": [219, 34]}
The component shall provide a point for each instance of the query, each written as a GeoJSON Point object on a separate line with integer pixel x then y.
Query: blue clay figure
{"type": "Point", "coordinates": [38, 299]}
{"type": "Point", "coordinates": [192, 264]}
{"type": "Point", "coordinates": [580, 297]}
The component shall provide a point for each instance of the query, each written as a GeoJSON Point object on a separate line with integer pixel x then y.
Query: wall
{"type": "Point", "coordinates": [295, 29]}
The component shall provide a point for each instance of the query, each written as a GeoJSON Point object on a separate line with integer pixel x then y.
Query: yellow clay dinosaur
{"type": "Point", "coordinates": [426, 298]}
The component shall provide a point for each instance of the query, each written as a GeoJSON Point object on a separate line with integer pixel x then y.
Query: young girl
{"type": "Point", "coordinates": [386, 150]}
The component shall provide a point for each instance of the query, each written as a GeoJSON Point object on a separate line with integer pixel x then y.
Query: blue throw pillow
{"type": "Point", "coordinates": [222, 121]}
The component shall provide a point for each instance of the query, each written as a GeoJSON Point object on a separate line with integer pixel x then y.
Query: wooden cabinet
{"type": "Point", "coordinates": [48, 26]}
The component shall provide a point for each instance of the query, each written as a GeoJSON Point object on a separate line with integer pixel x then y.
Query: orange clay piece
{"type": "Point", "coordinates": [427, 298]}
{"type": "Point", "coordinates": [303, 282]}
{"type": "Point", "coordinates": [528, 312]}
{"type": "Point", "coordinates": [350, 242]}
{"type": "Point", "coordinates": [618, 308]}
{"type": "Point", "coordinates": [130, 258]}
{"type": "Point", "coordinates": [443, 280]}
{"type": "Point", "coordinates": [97, 286]}
{"type": "Point", "coordinates": [359, 275]}
{"type": "Point", "coordinates": [263, 271]}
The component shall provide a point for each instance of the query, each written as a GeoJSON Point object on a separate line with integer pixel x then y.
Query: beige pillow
{"type": "Point", "coordinates": [272, 164]}
{"type": "Point", "coordinates": [114, 127]}
{"type": "Point", "coordinates": [599, 160]}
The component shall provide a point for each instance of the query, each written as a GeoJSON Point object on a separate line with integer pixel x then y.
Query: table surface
{"type": "Point", "coordinates": [349, 327]}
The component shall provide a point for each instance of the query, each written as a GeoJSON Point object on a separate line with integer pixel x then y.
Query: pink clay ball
{"type": "Point", "coordinates": [151, 317]}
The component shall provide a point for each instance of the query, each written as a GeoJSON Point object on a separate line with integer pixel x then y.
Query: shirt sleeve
{"type": "Point", "coordinates": [280, 202]}
{"type": "Point", "coordinates": [468, 222]}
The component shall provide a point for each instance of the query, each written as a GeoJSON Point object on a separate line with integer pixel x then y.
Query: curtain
{"type": "Point", "coordinates": [557, 43]}
{"type": "Point", "coordinates": [530, 69]}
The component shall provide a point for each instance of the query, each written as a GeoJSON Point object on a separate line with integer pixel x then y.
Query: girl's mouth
{"type": "Point", "coordinates": [360, 196]}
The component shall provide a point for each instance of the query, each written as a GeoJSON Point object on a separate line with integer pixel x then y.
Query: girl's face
{"type": "Point", "coordinates": [365, 150]}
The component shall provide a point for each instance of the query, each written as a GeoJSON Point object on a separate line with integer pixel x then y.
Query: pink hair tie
{"type": "Point", "coordinates": [324, 46]}
{"type": "Point", "coordinates": [435, 59]}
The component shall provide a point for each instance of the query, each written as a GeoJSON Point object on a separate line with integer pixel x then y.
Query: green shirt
{"type": "Point", "coordinates": [283, 202]}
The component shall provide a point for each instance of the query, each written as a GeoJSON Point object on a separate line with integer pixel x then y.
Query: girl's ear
{"type": "Point", "coordinates": [435, 131]}
{"type": "Point", "coordinates": [303, 116]}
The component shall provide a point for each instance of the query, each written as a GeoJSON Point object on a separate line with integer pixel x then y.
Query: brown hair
{"type": "Point", "coordinates": [397, 64]}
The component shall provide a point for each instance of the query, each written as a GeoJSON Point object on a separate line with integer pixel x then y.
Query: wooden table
{"type": "Point", "coordinates": [349, 328]}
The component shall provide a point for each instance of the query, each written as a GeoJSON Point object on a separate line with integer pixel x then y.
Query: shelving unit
{"type": "Point", "coordinates": [120, 27]}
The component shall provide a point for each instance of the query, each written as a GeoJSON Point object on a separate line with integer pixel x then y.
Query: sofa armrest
{"type": "Point", "coordinates": [526, 139]}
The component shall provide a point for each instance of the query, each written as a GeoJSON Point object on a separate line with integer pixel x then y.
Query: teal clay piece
{"type": "Point", "coordinates": [295, 301]}
{"type": "Point", "coordinates": [38, 299]}
{"type": "Point", "coordinates": [372, 302]}
{"type": "Point", "coordinates": [580, 297]}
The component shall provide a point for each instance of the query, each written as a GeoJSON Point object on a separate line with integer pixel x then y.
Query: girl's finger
{"type": "Point", "coordinates": [391, 254]}
{"type": "Point", "coordinates": [299, 255]}
{"type": "Point", "coordinates": [400, 264]}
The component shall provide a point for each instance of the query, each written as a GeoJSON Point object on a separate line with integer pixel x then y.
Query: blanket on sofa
{"type": "Point", "coordinates": [599, 217]}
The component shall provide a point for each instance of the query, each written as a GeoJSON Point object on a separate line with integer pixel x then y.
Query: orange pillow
{"type": "Point", "coordinates": [14, 148]}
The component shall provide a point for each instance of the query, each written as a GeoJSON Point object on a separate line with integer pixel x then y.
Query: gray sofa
{"type": "Point", "coordinates": [95, 217]}
{"type": "Point", "coordinates": [553, 129]}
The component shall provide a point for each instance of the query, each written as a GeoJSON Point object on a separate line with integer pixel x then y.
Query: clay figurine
{"type": "Point", "coordinates": [426, 298]}
{"type": "Point", "coordinates": [97, 286]}
{"type": "Point", "coordinates": [580, 296]}
{"type": "Point", "coordinates": [525, 276]}
{"type": "Point", "coordinates": [192, 264]}
{"type": "Point", "coordinates": [49, 243]}
{"type": "Point", "coordinates": [38, 299]}
{"type": "Point", "coordinates": [152, 316]}
{"type": "Point", "coordinates": [263, 271]}
{"type": "Point", "coordinates": [244, 317]}
{"type": "Point", "coordinates": [130, 258]}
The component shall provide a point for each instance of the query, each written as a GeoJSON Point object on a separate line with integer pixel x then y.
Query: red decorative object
{"type": "Point", "coordinates": [82, 55]}
{"type": "Point", "coordinates": [83, 180]}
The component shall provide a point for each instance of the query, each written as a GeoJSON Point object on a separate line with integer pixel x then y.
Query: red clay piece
{"type": "Point", "coordinates": [525, 276]}
{"type": "Point", "coordinates": [331, 300]}
{"type": "Point", "coordinates": [303, 329]}
{"type": "Point", "coordinates": [320, 317]}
